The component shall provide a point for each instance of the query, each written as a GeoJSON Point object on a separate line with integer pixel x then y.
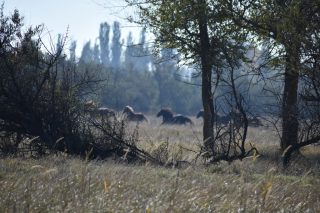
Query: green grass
{"type": "Point", "coordinates": [68, 184]}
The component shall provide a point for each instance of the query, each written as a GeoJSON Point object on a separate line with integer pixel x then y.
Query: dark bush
{"type": "Point", "coordinates": [41, 100]}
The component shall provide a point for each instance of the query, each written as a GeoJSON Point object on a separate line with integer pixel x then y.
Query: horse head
{"type": "Point", "coordinates": [200, 114]}
{"type": "Point", "coordinates": [104, 111]}
{"type": "Point", "coordinates": [128, 110]}
{"type": "Point", "coordinates": [90, 105]}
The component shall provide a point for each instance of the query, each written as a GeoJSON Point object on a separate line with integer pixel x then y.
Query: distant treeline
{"type": "Point", "coordinates": [134, 76]}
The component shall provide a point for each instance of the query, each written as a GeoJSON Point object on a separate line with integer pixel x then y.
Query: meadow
{"type": "Point", "coordinates": [60, 183]}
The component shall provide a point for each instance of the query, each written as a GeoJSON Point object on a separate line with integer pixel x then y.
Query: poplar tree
{"type": "Point", "coordinates": [116, 45]}
{"type": "Point", "coordinates": [87, 55]}
{"type": "Point", "coordinates": [104, 43]}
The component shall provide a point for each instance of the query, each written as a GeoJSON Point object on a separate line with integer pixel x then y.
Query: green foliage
{"type": "Point", "coordinates": [292, 30]}
{"type": "Point", "coordinates": [176, 26]}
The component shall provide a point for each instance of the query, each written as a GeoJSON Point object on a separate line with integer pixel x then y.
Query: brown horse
{"type": "Point", "coordinates": [90, 106]}
{"type": "Point", "coordinates": [106, 112]}
{"type": "Point", "coordinates": [169, 118]}
{"type": "Point", "coordinates": [200, 114]}
{"type": "Point", "coordinates": [93, 110]}
{"type": "Point", "coordinates": [134, 116]}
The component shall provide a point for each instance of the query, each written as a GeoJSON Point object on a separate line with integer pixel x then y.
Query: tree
{"type": "Point", "coordinates": [41, 97]}
{"type": "Point", "coordinates": [129, 52]}
{"type": "Point", "coordinates": [198, 31]}
{"type": "Point", "coordinates": [104, 43]}
{"type": "Point", "coordinates": [137, 55]}
{"type": "Point", "coordinates": [116, 45]}
{"type": "Point", "coordinates": [142, 53]}
{"type": "Point", "coordinates": [72, 50]}
{"type": "Point", "coordinates": [40, 92]}
{"type": "Point", "coordinates": [60, 42]}
{"type": "Point", "coordinates": [87, 54]}
{"type": "Point", "coordinates": [140, 90]}
{"type": "Point", "coordinates": [96, 53]}
{"type": "Point", "coordinates": [184, 100]}
{"type": "Point", "coordinates": [163, 74]}
{"type": "Point", "coordinates": [286, 25]}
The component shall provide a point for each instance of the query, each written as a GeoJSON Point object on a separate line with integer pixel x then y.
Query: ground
{"type": "Point", "coordinates": [258, 184]}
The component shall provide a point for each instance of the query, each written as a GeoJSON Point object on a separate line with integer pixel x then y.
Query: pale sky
{"type": "Point", "coordinates": [83, 17]}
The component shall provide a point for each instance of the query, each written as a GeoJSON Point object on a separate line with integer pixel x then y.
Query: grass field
{"type": "Point", "coordinates": [68, 184]}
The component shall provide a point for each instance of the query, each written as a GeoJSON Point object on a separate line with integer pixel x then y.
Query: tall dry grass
{"type": "Point", "coordinates": [256, 184]}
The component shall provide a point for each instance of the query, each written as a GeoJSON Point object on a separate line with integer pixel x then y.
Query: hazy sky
{"type": "Point", "coordinates": [82, 16]}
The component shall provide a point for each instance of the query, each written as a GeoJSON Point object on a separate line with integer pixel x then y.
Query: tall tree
{"type": "Point", "coordinates": [143, 52]}
{"type": "Point", "coordinates": [72, 50]}
{"type": "Point", "coordinates": [129, 52]}
{"type": "Point", "coordinates": [87, 53]}
{"type": "Point", "coordinates": [195, 30]}
{"type": "Point", "coordinates": [116, 45]}
{"type": "Point", "coordinates": [60, 41]}
{"type": "Point", "coordinates": [173, 92]}
{"type": "Point", "coordinates": [96, 53]}
{"type": "Point", "coordinates": [104, 43]}
{"type": "Point", "coordinates": [163, 74]}
{"type": "Point", "coordinates": [285, 24]}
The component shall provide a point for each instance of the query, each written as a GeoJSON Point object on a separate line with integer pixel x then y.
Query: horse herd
{"type": "Point", "coordinates": [168, 117]}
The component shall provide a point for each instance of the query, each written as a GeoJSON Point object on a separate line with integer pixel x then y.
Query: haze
{"type": "Point", "coordinates": [80, 18]}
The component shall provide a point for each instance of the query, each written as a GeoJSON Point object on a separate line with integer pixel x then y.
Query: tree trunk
{"type": "Point", "coordinates": [206, 68]}
{"type": "Point", "coordinates": [290, 124]}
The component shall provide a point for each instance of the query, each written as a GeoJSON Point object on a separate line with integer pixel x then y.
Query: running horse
{"type": "Point", "coordinates": [90, 106]}
{"type": "Point", "coordinates": [131, 115]}
{"type": "Point", "coordinates": [169, 118]}
{"type": "Point", "coordinates": [200, 114]}
{"type": "Point", "coordinates": [105, 112]}
{"type": "Point", "coordinates": [93, 110]}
